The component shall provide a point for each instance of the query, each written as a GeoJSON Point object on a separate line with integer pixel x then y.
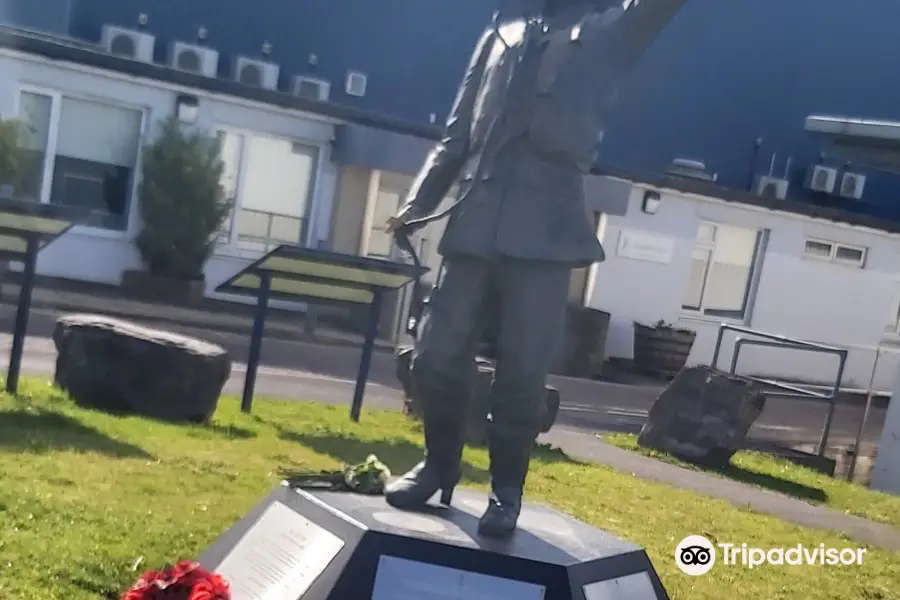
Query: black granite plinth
{"type": "Point", "coordinates": [365, 550]}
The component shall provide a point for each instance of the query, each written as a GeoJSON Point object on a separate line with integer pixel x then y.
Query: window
{"type": "Point", "coordinates": [387, 203]}
{"type": "Point", "coordinates": [893, 324]}
{"type": "Point", "coordinates": [270, 183]}
{"type": "Point", "coordinates": [834, 252]}
{"type": "Point", "coordinates": [391, 195]}
{"type": "Point", "coordinates": [725, 259]}
{"type": "Point", "coordinates": [81, 153]}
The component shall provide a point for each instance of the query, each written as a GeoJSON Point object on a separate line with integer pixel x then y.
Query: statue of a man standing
{"type": "Point", "coordinates": [520, 137]}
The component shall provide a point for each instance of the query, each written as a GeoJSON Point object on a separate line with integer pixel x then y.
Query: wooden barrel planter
{"type": "Point", "coordinates": [661, 348]}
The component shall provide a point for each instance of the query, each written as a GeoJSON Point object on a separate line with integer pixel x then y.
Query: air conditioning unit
{"type": "Point", "coordinates": [822, 179]}
{"type": "Point", "coordinates": [256, 73]}
{"type": "Point", "coordinates": [136, 45]}
{"type": "Point", "coordinates": [310, 88]}
{"type": "Point", "coordinates": [356, 84]}
{"type": "Point", "coordinates": [852, 185]}
{"type": "Point", "coordinates": [771, 187]}
{"type": "Point", "coordinates": [194, 59]}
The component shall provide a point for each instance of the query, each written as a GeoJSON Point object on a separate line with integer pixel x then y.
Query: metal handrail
{"type": "Point", "coordinates": [793, 391]}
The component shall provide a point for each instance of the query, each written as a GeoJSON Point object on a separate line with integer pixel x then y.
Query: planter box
{"type": "Point", "coordinates": [146, 286]}
{"type": "Point", "coordinates": [661, 349]}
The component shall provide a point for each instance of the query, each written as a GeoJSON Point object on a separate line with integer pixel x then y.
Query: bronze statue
{"type": "Point", "coordinates": [520, 137]}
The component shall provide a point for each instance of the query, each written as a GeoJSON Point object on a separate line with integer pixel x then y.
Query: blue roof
{"type": "Point", "coordinates": [720, 76]}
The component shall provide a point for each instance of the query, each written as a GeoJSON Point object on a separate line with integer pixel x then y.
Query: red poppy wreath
{"type": "Point", "coordinates": [187, 580]}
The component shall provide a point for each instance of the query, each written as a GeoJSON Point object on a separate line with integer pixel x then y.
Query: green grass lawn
{"type": "Point", "coordinates": [779, 475]}
{"type": "Point", "coordinates": [89, 500]}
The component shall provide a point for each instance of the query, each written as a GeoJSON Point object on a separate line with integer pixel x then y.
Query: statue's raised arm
{"type": "Point", "coordinates": [641, 24]}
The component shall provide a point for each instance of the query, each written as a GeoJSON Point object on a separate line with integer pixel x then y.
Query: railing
{"type": "Point", "coordinates": [796, 391]}
{"type": "Point", "coordinates": [790, 391]}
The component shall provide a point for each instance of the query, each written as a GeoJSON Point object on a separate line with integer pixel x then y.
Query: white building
{"type": "Point", "coordinates": [702, 260]}
{"type": "Point", "coordinates": [305, 172]}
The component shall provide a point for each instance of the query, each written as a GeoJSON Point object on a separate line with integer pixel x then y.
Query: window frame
{"type": "Point", "coordinates": [380, 227]}
{"type": "Point", "coordinates": [756, 264]}
{"type": "Point", "coordinates": [832, 257]}
{"type": "Point", "coordinates": [230, 247]}
{"type": "Point", "coordinates": [421, 238]}
{"type": "Point", "coordinates": [892, 322]}
{"type": "Point", "coordinates": [56, 98]}
{"type": "Point", "coordinates": [893, 328]}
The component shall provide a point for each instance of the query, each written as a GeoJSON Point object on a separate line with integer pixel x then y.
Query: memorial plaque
{"type": "Point", "coordinates": [279, 556]}
{"type": "Point", "coordinates": [319, 545]}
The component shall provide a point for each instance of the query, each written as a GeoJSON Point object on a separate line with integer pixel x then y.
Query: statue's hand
{"type": "Point", "coordinates": [393, 224]}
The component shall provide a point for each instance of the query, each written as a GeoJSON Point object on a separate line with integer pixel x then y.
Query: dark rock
{"type": "Point", "coordinates": [122, 367]}
{"type": "Point", "coordinates": [703, 416]}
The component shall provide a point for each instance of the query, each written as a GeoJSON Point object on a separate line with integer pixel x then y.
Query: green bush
{"type": "Point", "coordinates": [182, 204]}
{"type": "Point", "coordinates": [12, 157]}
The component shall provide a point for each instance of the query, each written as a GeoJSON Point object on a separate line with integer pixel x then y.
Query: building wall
{"type": "Point", "coordinates": [794, 296]}
{"type": "Point", "coordinates": [102, 256]}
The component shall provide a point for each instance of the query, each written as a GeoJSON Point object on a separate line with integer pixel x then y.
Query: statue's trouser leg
{"type": "Point", "coordinates": [533, 299]}
{"type": "Point", "coordinates": [443, 374]}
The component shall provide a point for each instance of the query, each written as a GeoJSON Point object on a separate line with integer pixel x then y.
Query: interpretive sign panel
{"type": "Point", "coordinates": [636, 586]}
{"type": "Point", "coordinates": [279, 557]}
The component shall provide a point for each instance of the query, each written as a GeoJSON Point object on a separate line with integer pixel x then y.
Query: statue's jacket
{"type": "Point", "coordinates": [523, 131]}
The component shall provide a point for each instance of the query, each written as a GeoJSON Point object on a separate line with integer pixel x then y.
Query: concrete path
{"type": "Point", "coordinates": [574, 433]}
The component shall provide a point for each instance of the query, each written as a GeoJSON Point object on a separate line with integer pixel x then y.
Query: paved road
{"type": "Point", "coordinates": [299, 370]}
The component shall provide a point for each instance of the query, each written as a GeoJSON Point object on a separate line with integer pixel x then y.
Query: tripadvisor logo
{"type": "Point", "coordinates": [696, 555]}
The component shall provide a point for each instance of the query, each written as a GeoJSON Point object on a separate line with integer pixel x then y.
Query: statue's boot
{"type": "Point", "coordinates": [510, 453]}
{"type": "Point", "coordinates": [441, 468]}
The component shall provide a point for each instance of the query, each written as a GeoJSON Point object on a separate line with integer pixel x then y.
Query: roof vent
{"type": "Point", "coordinates": [691, 169]}
{"type": "Point", "coordinates": [356, 84]}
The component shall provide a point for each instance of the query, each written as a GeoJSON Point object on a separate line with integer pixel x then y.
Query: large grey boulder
{"type": "Point", "coordinates": [703, 416]}
{"type": "Point", "coordinates": [122, 367]}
